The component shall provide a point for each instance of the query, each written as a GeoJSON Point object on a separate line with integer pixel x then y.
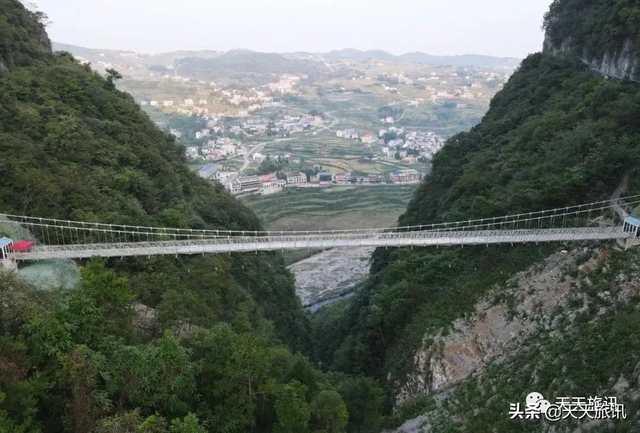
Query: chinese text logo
{"type": "Point", "coordinates": [565, 407]}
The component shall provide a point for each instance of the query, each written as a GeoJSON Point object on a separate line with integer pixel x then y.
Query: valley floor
{"type": "Point", "coordinates": [330, 273]}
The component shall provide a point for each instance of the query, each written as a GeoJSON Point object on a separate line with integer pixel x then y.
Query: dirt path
{"type": "Point", "coordinates": [622, 189]}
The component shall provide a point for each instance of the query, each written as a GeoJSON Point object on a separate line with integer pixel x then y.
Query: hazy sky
{"type": "Point", "coordinates": [441, 27]}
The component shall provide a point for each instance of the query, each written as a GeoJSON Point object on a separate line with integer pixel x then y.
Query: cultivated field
{"type": "Point", "coordinates": [332, 208]}
{"type": "Point", "coordinates": [337, 154]}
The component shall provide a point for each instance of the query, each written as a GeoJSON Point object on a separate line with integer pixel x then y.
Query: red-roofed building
{"type": "Point", "coordinates": [21, 246]}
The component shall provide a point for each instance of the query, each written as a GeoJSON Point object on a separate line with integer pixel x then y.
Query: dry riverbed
{"type": "Point", "coordinates": [330, 273]}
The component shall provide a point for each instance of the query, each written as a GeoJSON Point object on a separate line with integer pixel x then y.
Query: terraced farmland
{"type": "Point", "coordinates": [337, 154]}
{"type": "Point", "coordinates": [332, 208]}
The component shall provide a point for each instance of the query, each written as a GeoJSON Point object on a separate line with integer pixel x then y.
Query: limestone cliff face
{"type": "Point", "coordinates": [527, 336]}
{"type": "Point", "coordinates": [604, 34]}
{"type": "Point", "coordinates": [502, 320]}
{"type": "Point", "coordinates": [619, 63]}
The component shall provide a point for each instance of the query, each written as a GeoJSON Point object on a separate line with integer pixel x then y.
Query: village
{"type": "Point", "coordinates": [260, 134]}
{"type": "Point", "coordinates": [274, 182]}
{"type": "Point", "coordinates": [220, 141]}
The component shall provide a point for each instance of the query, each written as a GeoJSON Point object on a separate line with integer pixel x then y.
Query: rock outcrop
{"type": "Point", "coordinates": [603, 34]}
{"type": "Point", "coordinates": [619, 64]}
{"type": "Point", "coordinates": [330, 273]}
{"type": "Point", "coordinates": [501, 321]}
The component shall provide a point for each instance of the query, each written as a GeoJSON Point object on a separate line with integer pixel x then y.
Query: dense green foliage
{"type": "Point", "coordinates": [76, 148]}
{"type": "Point", "coordinates": [556, 135]}
{"type": "Point", "coordinates": [73, 147]}
{"type": "Point", "coordinates": [222, 349]}
{"type": "Point", "coordinates": [226, 349]}
{"type": "Point", "coordinates": [72, 361]}
{"type": "Point", "coordinates": [595, 27]}
{"type": "Point", "coordinates": [22, 37]}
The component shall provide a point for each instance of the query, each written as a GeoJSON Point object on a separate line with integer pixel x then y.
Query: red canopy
{"type": "Point", "coordinates": [21, 246]}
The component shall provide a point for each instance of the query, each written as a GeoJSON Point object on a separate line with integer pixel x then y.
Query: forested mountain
{"type": "Point", "coordinates": [465, 60]}
{"type": "Point", "coordinates": [225, 346]}
{"type": "Point", "coordinates": [456, 335]}
{"type": "Point", "coordinates": [246, 62]}
{"type": "Point", "coordinates": [558, 134]}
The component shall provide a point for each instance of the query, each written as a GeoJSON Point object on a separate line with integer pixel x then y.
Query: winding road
{"type": "Point", "coordinates": [260, 146]}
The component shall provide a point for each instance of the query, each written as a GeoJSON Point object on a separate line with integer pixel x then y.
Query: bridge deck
{"type": "Point", "coordinates": [367, 239]}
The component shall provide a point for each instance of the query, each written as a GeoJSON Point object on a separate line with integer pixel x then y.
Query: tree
{"type": "Point", "coordinates": [127, 422]}
{"type": "Point", "coordinates": [8, 425]}
{"type": "Point", "coordinates": [133, 422]}
{"type": "Point", "coordinates": [154, 377]}
{"type": "Point", "coordinates": [112, 77]}
{"type": "Point", "coordinates": [79, 372]}
{"type": "Point", "coordinates": [111, 294]}
{"type": "Point", "coordinates": [329, 412]}
{"type": "Point", "coordinates": [303, 371]}
{"type": "Point", "coordinates": [189, 424]}
{"type": "Point", "coordinates": [235, 371]}
{"type": "Point", "coordinates": [291, 408]}
{"type": "Point", "coordinates": [364, 399]}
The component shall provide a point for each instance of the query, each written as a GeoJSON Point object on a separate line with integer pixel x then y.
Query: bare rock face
{"type": "Point", "coordinates": [613, 64]}
{"type": "Point", "coordinates": [330, 273]}
{"type": "Point", "coordinates": [500, 322]}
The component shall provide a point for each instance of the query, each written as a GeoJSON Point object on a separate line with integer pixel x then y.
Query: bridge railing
{"type": "Point", "coordinates": [66, 233]}
{"type": "Point", "coordinates": [265, 243]}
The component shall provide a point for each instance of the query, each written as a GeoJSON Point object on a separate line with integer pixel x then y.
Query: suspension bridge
{"type": "Point", "coordinates": [66, 239]}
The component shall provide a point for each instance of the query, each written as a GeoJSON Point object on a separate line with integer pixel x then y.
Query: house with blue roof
{"type": "Point", "coordinates": [631, 225]}
{"type": "Point", "coordinates": [208, 170]}
{"type": "Point", "coordinates": [5, 244]}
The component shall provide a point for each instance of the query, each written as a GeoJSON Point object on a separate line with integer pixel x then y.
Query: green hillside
{"type": "Point", "coordinates": [190, 344]}
{"type": "Point", "coordinates": [22, 37]}
{"type": "Point", "coordinates": [556, 135]}
{"type": "Point", "coordinates": [239, 63]}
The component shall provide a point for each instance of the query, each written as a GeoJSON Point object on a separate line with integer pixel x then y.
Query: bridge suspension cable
{"type": "Point", "coordinates": [69, 233]}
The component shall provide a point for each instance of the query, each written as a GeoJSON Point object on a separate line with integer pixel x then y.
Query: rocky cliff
{"type": "Point", "coordinates": [604, 34]}
{"type": "Point", "coordinates": [564, 327]}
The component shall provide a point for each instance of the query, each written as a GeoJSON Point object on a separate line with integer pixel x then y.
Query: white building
{"type": "Point", "coordinates": [405, 176]}
{"type": "Point", "coordinates": [297, 178]}
{"type": "Point", "coordinates": [192, 152]}
{"type": "Point", "coordinates": [227, 149]}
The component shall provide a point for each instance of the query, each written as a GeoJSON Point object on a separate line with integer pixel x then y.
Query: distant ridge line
{"type": "Point", "coordinates": [458, 60]}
